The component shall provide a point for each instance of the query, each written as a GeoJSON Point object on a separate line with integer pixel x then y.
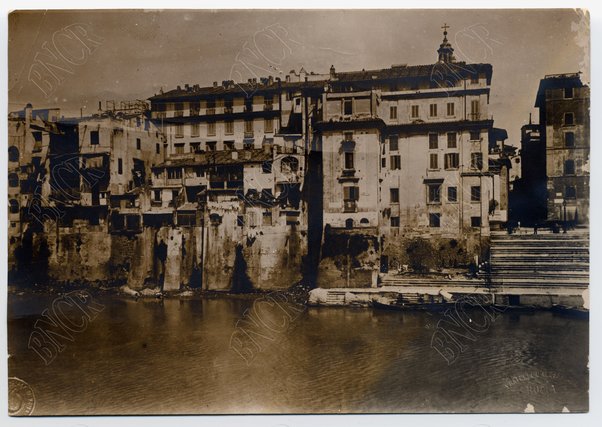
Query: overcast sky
{"type": "Point", "coordinates": [138, 53]}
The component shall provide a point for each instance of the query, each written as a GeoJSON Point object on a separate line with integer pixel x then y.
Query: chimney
{"type": "Point", "coordinates": [187, 87]}
{"type": "Point", "coordinates": [179, 87]}
{"type": "Point", "coordinates": [270, 80]}
{"type": "Point", "coordinates": [28, 113]}
{"type": "Point", "coordinates": [99, 106]}
{"type": "Point", "coordinates": [254, 81]}
{"type": "Point", "coordinates": [333, 74]}
{"type": "Point", "coordinates": [288, 78]}
{"type": "Point", "coordinates": [214, 84]}
{"type": "Point", "coordinates": [250, 81]}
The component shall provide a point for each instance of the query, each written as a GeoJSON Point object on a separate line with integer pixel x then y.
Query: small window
{"type": "Point", "coordinates": [348, 160]}
{"type": "Point", "coordinates": [434, 161]}
{"type": "Point", "coordinates": [570, 192]}
{"type": "Point", "coordinates": [433, 141]}
{"type": "Point", "coordinates": [475, 135]}
{"type": "Point", "coordinates": [351, 193]}
{"type": "Point", "coordinates": [415, 111]}
{"type": "Point", "coordinates": [433, 110]}
{"type": "Point", "coordinates": [195, 130]}
{"type": "Point", "coordinates": [452, 161]}
{"type": "Point", "coordinates": [13, 154]}
{"type": "Point", "coordinates": [94, 138]}
{"type": "Point", "coordinates": [569, 167]}
{"type": "Point", "coordinates": [476, 161]}
{"type": "Point", "coordinates": [348, 136]}
{"type": "Point", "coordinates": [158, 148]}
{"type": "Point", "coordinates": [394, 192]}
{"type": "Point", "coordinates": [229, 145]}
{"type": "Point", "coordinates": [179, 148]}
{"type": "Point", "coordinates": [475, 109]}
{"type": "Point", "coordinates": [452, 194]}
{"type": "Point", "coordinates": [569, 139]}
{"type": "Point", "coordinates": [383, 162]}
{"type": "Point", "coordinates": [434, 193]}
{"type": "Point", "coordinates": [475, 221]}
{"type": "Point", "coordinates": [267, 218]}
{"type": "Point", "coordinates": [451, 107]}
{"type": "Point", "coordinates": [240, 220]}
{"type": "Point", "coordinates": [568, 92]}
{"type": "Point", "coordinates": [394, 221]}
{"type": "Point", "coordinates": [120, 166]}
{"type": "Point", "coordinates": [266, 167]}
{"type": "Point", "coordinates": [179, 130]}
{"type": "Point", "coordinates": [435, 220]}
{"type": "Point", "coordinates": [569, 119]}
{"type": "Point", "coordinates": [195, 147]}
{"type": "Point", "coordinates": [349, 223]}
{"type": "Point", "coordinates": [451, 140]}
{"type": "Point", "coordinates": [268, 126]}
{"type": "Point", "coordinates": [249, 127]}
{"type": "Point", "coordinates": [229, 127]}
{"type": "Point", "coordinates": [475, 193]}
{"type": "Point", "coordinates": [211, 145]}
{"type": "Point", "coordinates": [157, 195]}
{"type": "Point", "coordinates": [13, 180]}
{"type": "Point", "coordinates": [348, 107]}
{"type": "Point", "coordinates": [395, 162]}
{"type": "Point", "coordinates": [138, 144]}
{"type": "Point", "coordinates": [393, 143]}
{"type": "Point", "coordinates": [211, 129]}
{"type": "Point", "coordinates": [393, 112]}
{"type": "Point", "coordinates": [13, 206]}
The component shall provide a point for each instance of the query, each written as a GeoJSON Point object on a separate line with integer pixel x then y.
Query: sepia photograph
{"type": "Point", "coordinates": [298, 212]}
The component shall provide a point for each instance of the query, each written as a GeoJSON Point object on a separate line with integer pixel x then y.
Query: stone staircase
{"type": "Point", "coordinates": [544, 259]}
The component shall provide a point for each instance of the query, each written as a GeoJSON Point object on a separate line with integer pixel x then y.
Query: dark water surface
{"type": "Point", "coordinates": [174, 357]}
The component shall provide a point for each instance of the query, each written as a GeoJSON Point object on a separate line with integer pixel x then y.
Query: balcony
{"type": "Point", "coordinates": [268, 107]}
{"type": "Point", "coordinates": [210, 111]}
{"type": "Point", "coordinates": [228, 110]}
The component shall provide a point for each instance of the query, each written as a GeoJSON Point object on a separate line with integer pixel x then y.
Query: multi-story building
{"type": "Point", "coordinates": [554, 186]}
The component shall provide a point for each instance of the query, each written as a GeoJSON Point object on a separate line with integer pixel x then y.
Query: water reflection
{"type": "Point", "coordinates": [174, 356]}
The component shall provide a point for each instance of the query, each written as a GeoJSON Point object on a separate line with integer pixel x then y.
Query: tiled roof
{"type": "Point", "coordinates": [221, 158]}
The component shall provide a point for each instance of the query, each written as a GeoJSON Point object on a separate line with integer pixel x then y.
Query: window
{"type": "Point", "coordinates": [393, 143]}
{"type": "Point", "coordinates": [229, 127]}
{"type": "Point", "coordinates": [211, 129]}
{"type": "Point", "coordinates": [228, 106]}
{"type": "Point", "coordinates": [394, 193]}
{"type": "Point", "coordinates": [94, 138]}
{"type": "Point", "coordinates": [13, 180]}
{"type": "Point", "coordinates": [174, 173]}
{"type": "Point", "coordinates": [267, 218]}
{"type": "Point", "coordinates": [435, 220]}
{"type": "Point", "coordinates": [138, 144]}
{"type": "Point", "coordinates": [383, 162]}
{"type": "Point", "coordinates": [433, 110]}
{"type": "Point", "coordinates": [568, 92]}
{"type": "Point", "coordinates": [569, 119]}
{"type": "Point", "coordinates": [475, 135]}
{"type": "Point", "coordinates": [348, 107]}
{"type": "Point", "coordinates": [268, 103]}
{"type": "Point", "coordinates": [434, 161]}
{"type": "Point", "coordinates": [195, 108]}
{"type": "Point", "coordinates": [248, 144]}
{"type": "Point", "coordinates": [211, 145]}
{"type": "Point", "coordinates": [451, 108]}
{"type": "Point", "coordinates": [178, 109]}
{"type": "Point", "coordinates": [452, 161]}
{"type": "Point", "coordinates": [240, 220]}
{"type": "Point", "coordinates": [195, 147]}
{"type": "Point", "coordinates": [268, 126]}
{"type": "Point", "coordinates": [249, 127]}
{"type": "Point", "coordinates": [13, 154]}
{"type": "Point", "coordinates": [475, 109]}
{"type": "Point", "coordinates": [14, 206]}
{"type": "Point", "coordinates": [395, 162]}
{"type": "Point", "coordinates": [475, 221]}
{"type": "Point", "coordinates": [229, 145]}
{"type": "Point", "coordinates": [452, 194]}
{"type": "Point", "coordinates": [569, 139]}
{"type": "Point", "coordinates": [394, 221]}
{"type": "Point", "coordinates": [434, 193]}
{"type": "Point", "coordinates": [475, 193]}
{"type": "Point", "coordinates": [120, 166]}
{"type": "Point", "coordinates": [179, 148]}
{"type": "Point", "coordinates": [476, 161]}
{"type": "Point", "coordinates": [451, 140]}
{"type": "Point", "coordinates": [569, 167]}
{"type": "Point", "coordinates": [348, 160]}
{"type": "Point", "coordinates": [158, 148]}
{"type": "Point", "coordinates": [157, 195]}
{"type": "Point", "coordinates": [351, 193]}
{"type": "Point", "coordinates": [348, 136]}
{"type": "Point", "coordinates": [415, 111]}
{"type": "Point", "coordinates": [570, 192]}
{"type": "Point", "coordinates": [195, 130]}
{"type": "Point", "coordinates": [433, 141]}
{"type": "Point", "coordinates": [266, 167]}
{"type": "Point", "coordinates": [393, 112]}
{"type": "Point", "coordinates": [179, 130]}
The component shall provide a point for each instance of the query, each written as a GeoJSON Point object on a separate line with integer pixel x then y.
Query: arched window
{"type": "Point", "coordinates": [13, 180]}
{"type": "Point", "coordinates": [289, 164]}
{"type": "Point", "coordinates": [349, 223]}
{"type": "Point", "coordinates": [364, 221]}
{"type": "Point", "coordinates": [13, 154]}
{"type": "Point", "coordinates": [14, 206]}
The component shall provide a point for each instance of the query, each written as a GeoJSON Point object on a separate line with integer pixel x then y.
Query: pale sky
{"type": "Point", "coordinates": [140, 52]}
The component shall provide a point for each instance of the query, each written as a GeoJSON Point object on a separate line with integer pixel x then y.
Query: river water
{"type": "Point", "coordinates": [174, 356]}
